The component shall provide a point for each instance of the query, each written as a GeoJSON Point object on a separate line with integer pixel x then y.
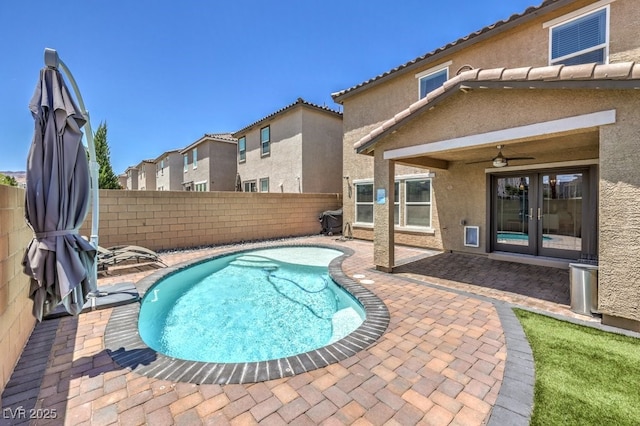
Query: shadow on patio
{"type": "Point", "coordinates": [539, 282]}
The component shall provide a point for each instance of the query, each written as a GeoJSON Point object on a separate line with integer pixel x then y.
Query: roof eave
{"type": "Point", "coordinates": [599, 84]}
{"type": "Point", "coordinates": [451, 48]}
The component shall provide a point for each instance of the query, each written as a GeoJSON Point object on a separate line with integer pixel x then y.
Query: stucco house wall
{"type": "Point", "coordinates": [132, 178]}
{"type": "Point", "coordinates": [146, 175]}
{"type": "Point", "coordinates": [215, 165]}
{"type": "Point", "coordinates": [321, 152]}
{"type": "Point", "coordinates": [282, 164]}
{"type": "Point", "coordinates": [169, 177]}
{"type": "Point", "coordinates": [305, 150]}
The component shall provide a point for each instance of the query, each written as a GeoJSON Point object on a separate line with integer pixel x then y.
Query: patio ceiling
{"type": "Point", "coordinates": [564, 147]}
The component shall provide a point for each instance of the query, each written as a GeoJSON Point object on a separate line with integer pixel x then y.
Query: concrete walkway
{"type": "Point", "coordinates": [453, 354]}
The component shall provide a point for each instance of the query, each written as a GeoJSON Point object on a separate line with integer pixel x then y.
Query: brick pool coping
{"type": "Point", "coordinates": [126, 348]}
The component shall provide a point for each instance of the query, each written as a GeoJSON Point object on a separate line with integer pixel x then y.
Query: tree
{"type": "Point", "coordinates": [8, 180]}
{"type": "Point", "coordinates": [107, 179]}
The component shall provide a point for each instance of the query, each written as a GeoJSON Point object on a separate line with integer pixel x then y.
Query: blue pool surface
{"type": "Point", "coordinates": [251, 306]}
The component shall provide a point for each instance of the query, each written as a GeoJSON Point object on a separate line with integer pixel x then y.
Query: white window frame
{"type": "Point", "coordinates": [401, 218]}
{"type": "Point", "coordinates": [186, 162]}
{"type": "Point", "coordinates": [356, 203]}
{"type": "Point", "coordinates": [581, 13]}
{"type": "Point", "coordinates": [267, 142]}
{"type": "Point", "coordinates": [431, 72]}
{"type": "Point", "coordinates": [200, 186]}
{"type": "Point", "coordinates": [249, 182]}
{"type": "Point", "coordinates": [242, 153]}
{"type": "Point", "coordinates": [406, 203]}
{"type": "Point", "coordinates": [263, 180]}
{"type": "Point", "coordinates": [195, 158]}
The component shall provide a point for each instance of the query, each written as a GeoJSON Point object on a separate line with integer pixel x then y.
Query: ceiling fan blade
{"type": "Point", "coordinates": [520, 158]}
{"type": "Point", "coordinates": [481, 161]}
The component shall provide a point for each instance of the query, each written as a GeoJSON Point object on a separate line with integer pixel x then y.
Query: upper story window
{"type": "Point", "coordinates": [195, 158]}
{"type": "Point", "coordinates": [265, 139]}
{"type": "Point", "coordinates": [242, 149]}
{"type": "Point", "coordinates": [581, 39]}
{"type": "Point", "coordinates": [186, 163]}
{"type": "Point", "coordinates": [431, 79]}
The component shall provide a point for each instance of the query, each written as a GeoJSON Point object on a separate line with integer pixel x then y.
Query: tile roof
{"type": "Point", "coordinates": [219, 137]}
{"type": "Point", "coordinates": [299, 101]}
{"type": "Point", "coordinates": [513, 20]}
{"type": "Point", "coordinates": [616, 75]}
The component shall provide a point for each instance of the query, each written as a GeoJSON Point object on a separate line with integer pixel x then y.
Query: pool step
{"type": "Point", "coordinates": [253, 262]}
{"type": "Point", "coordinates": [343, 323]}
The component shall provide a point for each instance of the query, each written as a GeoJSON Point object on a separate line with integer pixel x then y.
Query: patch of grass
{"type": "Point", "coordinates": [584, 376]}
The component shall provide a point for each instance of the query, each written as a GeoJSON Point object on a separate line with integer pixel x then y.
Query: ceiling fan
{"type": "Point", "coordinates": [500, 160]}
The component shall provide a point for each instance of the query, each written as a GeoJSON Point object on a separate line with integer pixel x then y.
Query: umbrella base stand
{"type": "Point", "coordinates": [106, 297]}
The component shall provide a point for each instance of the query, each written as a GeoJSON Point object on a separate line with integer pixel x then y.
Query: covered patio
{"type": "Point", "coordinates": [534, 162]}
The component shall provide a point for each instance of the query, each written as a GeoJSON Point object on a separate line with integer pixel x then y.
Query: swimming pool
{"type": "Point", "coordinates": [249, 307]}
{"type": "Point", "coordinates": [124, 345]}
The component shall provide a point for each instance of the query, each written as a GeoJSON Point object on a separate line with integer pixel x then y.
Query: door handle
{"type": "Point", "coordinates": [539, 214]}
{"type": "Point", "coordinates": [531, 213]}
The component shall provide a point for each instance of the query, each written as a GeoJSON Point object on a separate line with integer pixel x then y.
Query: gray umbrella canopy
{"type": "Point", "coordinates": [58, 260]}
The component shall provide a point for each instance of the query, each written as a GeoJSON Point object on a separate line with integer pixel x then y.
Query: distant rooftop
{"type": "Point", "coordinates": [298, 102]}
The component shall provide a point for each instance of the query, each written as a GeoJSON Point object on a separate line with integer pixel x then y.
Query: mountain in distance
{"type": "Point", "coordinates": [20, 177]}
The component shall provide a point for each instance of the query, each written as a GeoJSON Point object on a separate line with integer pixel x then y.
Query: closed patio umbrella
{"type": "Point", "coordinates": [58, 260]}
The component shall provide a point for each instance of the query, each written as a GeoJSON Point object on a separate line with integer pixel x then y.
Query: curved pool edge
{"type": "Point", "coordinates": [126, 348]}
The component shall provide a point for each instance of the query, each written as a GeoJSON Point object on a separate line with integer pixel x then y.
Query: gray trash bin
{"type": "Point", "coordinates": [584, 288]}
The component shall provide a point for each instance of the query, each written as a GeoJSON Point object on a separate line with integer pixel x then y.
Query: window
{"type": "Point", "coordinates": [412, 202]}
{"type": "Point", "coordinates": [264, 185]}
{"type": "Point", "coordinates": [580, 40]}
{"type": "Point", "coordinates": [417, 203]}
{"type": "Point", "coordinates": [431, 81]}
{"type": "Point", "coordinates": [364, 203]}
{"type": "Point", "coordinates": [242, 149]}
{"type": "Point", "coordinates": [250, 186]}
{"type": "Point", "coordinates": [265, 138]}
{"type": "Point", "coordinates": [195, 158]}
{"type": "Point", "coordinates": [186, 167]}
{"type": "Point", "coordinates": [201, 186]}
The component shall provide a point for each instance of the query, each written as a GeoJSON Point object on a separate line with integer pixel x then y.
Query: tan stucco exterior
{"type": "Point", "coordinates": [169, 171]}
{"type": "Point", "coordinates": [146, 175]}
{"type": "Point", "coordinates": [460, 190]}
{"type": "Point", "coordinates": [305, 150]}
{"type": "Point", "coordinates": [215, 166]}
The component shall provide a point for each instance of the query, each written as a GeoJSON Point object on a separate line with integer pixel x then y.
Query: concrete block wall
{"type": "Point", "coordinates": [16, 319]}
{"type": "Point", "coordinates": [162, 220]}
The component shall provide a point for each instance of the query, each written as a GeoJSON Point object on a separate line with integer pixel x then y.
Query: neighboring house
{"type": "Point", "coordinates": [146, 175]}
{"type": "Point", "coordinates": [555, 89]}
{"type": "Point", "coordinates": [295, 149]}
{"type": "Point", "coordinates": [132, 178]}
{"type": "Point", "coordinates": [169, 171]}
{"type": "Point", "coordinates": [122, 180]}
{"type": "Point", "coordinates": [209, 164]}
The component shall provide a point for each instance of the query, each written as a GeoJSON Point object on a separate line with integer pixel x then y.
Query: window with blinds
{"type": "Point", "coordinates": [582, 40]}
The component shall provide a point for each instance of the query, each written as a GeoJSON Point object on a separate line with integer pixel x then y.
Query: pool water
{"type": "Point", "coordinates": [252, 306]}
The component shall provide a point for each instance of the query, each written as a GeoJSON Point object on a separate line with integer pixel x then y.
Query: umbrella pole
{"type": "Point", "coordinates": [52, 60]}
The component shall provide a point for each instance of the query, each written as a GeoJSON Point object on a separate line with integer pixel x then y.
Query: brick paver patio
{"type": "Point", "coordinates": [441, 362]}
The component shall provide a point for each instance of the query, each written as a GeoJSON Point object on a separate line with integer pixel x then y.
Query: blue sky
{"type": "Point", "coordinates": [163, 73]}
